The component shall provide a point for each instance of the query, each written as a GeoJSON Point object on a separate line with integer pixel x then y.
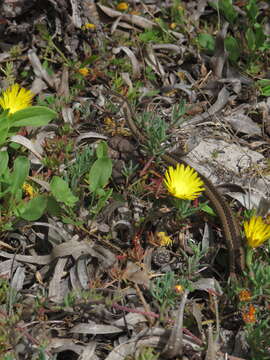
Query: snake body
{"type": "Point", "coordinates": [229, 224]}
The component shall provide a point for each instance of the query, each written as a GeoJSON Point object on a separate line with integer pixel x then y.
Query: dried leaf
{"type": "Point", "coordinates": [136, 274]}
{"type": "Point", "coordinates": [19, 139]}
{"type": "Point", "coordinates": [39, 69]}
{"type": "Point", "coordinates": [18, 278]}
{"type": "Point", "coordinates": [132, 19]}
{"type": "Point", "coordinates": [243, 124]}
{"type": "Point", "coordinates": [6, 267]}
{"type": "Point", "coordinates": [135, 64]}
{"type": "Point", "coordinates": [55, 286]}
{"type": "Point", "coordinates": [95, 329]}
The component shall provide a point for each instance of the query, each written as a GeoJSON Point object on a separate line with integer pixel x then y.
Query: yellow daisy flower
{"type": "Point", "coordinates": [15, 98]}
{"type": "Point", "coordinates": [183, 182]}
{"type": "Point", "coordinates": [256, 231]}
{"type": "Point", "coordinates": [179, 289]}
{"type": "Point", "coordinates": [89, 26]}
{"type": "Point", "coordinates": [164, 239]}
{"type": "Point", "coordinates": [84, 71]}
{"type": "Point", "coordinates": [173, 26]}
{"type": "Point", "coordinates": [122, 6]}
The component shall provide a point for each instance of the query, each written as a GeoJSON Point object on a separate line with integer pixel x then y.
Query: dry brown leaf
{"type": "Point", "coordinates": [39, 70]}
{"type": "Point", "coordinates": [136, 274]}
{"type": "Point", "coordinates": [95, 329]}
{"type": "Point", "coordinates": [55, 286]}
{"type": "Point", "coordinates": [131, 19]}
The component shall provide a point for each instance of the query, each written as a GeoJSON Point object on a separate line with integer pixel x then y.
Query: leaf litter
{"type": "Point", "coordinates": [87, 286]}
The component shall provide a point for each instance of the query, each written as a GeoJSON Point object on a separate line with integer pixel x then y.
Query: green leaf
{"type": "Point", "coordinates": [90, 60]}
{"type": "Point", "coordinates": [34, 208]}
{"type": "Point", "coordinates": [4, 128]}
{"type": "Point", "coordinates": [207, 42]}
{"type": "Point", "coordinates": [251, 41]}
{"type": "Point", "coordinates": [100, 173]}
{"type": "Point", "coordinates": [19, 174]}
{"type": "Point", "coordinates": [263, 82]}
{"type": "Point", "coordinates": [102, 150]}
{"type": "Point", "coordinates": [32, 116]}
{"type": "Point", "coordinates": [62, 192]}
{"type": "Point", "coordinates": [206, 208]}
{"type": "Point", "coordinates": [3, 115]}
{"type": "Point", "coordinates": [226, 8]}
{"type": "Point", "coordinates": [53, 207]}
{"type": "Point", "coordinates": [259, 35]}
{"type": "Point", "coordinates": [102, 201]}
{"type": "Point", "coordinates": [233, 48]}
{"type": "Point", "coordinates": [252, 10]}
{"type": "Point", "coordinates": [3, 162]}
{"type": "Point", "coordinates": [265, 91]}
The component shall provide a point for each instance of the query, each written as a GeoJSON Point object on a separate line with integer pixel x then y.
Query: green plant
{"type": "Point", "coordinates": [8, 71]}
{"type": "Point", "coordinates": [259, 281]}
{"type": "Point", "coordinates": [225, 7]}
{"type": "Point", "coordinates": [129, 170]}
{"type": "Point", "coordinates": [18, 113]}
{"type": "Point", "coordinates": [156, 131]}
{"type": "Point", "coordinates": [49, 100]}
{"type": "Point", "coordinates": [159, 34]}
{"type": "Point", "coordinates": [206, 42]}
{"type": "Point", "coordinates": [34, 116]}
{"type": "Point", "coordinates": [9, 315]}
{"type": "Point", "coordinates": [184, 208]}
{"type": "Point", "coordinates": [264, 86]}
{"type": "Point", "coordinates": [98, 177]}
{"type": "Point", "coordinates": [16, 50]}
{"type": "Point", "coordinates": [162, 290]}
{"type": "Point", "coordinates": [178, 111]}
{"type": "Point", "coordinates": [51, 46]}
{"type": "Point", "coordinates": [150, 75]}
{"type": "Point", "coordinates": [177, 12]}
{"type": "Point", "coordinates": [80, 167]}
{"type": "Point", "coordinates": [146, 353]}
{"type": "Point", "coordinates": [248, 41]}
{"type": "Point", "coordinates": [194, 262]}
{"type": "Point", "coordinates": [154, 35]}
{"type": "Point", "coordinates": [258, 338]}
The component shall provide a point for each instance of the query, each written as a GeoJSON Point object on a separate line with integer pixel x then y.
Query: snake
{"type": "Point", "coordinates": [230, 226]}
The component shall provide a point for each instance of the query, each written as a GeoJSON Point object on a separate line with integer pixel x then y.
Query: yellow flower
{"type": "Point", "coordinates": [173, 26]}
{"type": "Point", "coordinates": [15, 98]}
{"type": "Point", "coordinates": [89, 26]}
{"type": "Point", "coordinates": [256, 231]}
{"type": "Point", "coordinates": [84, 71]}
{"type": "Point", "coordinates": [122, 6]}
{"type": "Point", "coordinates": [179, 289]}
{"type": "Point", "coordinates": [183, 182]}
{"type": "Point", "coordinates": [29, 190]}
{"type": "Point", "coordinates": [164, 239]}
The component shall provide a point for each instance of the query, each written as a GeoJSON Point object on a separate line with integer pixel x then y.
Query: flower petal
{"type": "Point", "coordinates": [183, 182]}
{"type": "Point", "coordinates": [256, 231]}
{"type": "Point", "coordinates": [15, 98]}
